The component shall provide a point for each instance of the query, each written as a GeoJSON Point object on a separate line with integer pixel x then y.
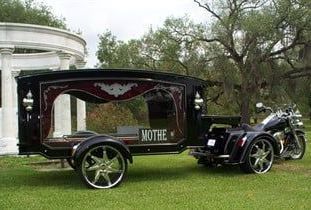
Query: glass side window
{"type": "Point", "coordinates": [155, 116]}
{"type": "Point", "coordinates": [122, 118]}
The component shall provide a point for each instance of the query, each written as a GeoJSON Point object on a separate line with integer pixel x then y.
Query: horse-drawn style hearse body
{"type": "Point", "coordinates": [175, 120]}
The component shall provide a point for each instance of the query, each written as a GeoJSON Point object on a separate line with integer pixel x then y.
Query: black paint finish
{"type": "Point", "coordinates": [195, 133]}
{"type": "Point", "coordinates": [32, 142]}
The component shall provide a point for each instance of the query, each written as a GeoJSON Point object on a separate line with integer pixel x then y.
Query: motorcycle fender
{"type": "Point", "coordinates": [99, 140]}
{"type": "Point", "coordinates": [252, 136]}
{"type": "Point", "coordinates": [299, 132]}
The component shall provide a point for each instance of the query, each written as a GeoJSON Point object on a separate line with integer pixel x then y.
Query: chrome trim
{"type": "Point", "coordinates": [198, 101]}
{"type": "Point", "coordinates": [74, 149]}
{"type": "Point", "coordinates": [28, 101]}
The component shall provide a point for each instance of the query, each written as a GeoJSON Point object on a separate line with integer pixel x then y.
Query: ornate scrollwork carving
{"type": "Point", "coordinates": [116, 89]}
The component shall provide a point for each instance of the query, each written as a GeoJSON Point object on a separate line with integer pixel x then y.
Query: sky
{"type": "Point", "coordinates": [126, 19]}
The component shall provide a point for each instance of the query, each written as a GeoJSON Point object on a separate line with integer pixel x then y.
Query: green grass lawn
{"type": "Point", "coordinates": [159, 182]}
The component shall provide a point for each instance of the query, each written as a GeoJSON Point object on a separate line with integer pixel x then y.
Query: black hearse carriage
{"type": "Point", "coordinates": [175, 122]}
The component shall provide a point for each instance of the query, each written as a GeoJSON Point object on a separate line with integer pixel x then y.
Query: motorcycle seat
{"type": "Point", "coordinates": [247, 127]}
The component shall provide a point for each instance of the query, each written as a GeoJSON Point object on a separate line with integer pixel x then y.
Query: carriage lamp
{"type": "Point", "coordinates": [28, 101]}
{"type": "Point", "coordinates": [198, 101]}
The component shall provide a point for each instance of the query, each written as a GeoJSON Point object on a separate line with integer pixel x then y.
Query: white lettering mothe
{"type": "Point", "coordinates": [144, 135]}
{"type": "Point", "coordinates": [153, 135]}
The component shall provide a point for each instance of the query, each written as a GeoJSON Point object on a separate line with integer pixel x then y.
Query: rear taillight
{"type": "Point", "coordinates": [241, 141]}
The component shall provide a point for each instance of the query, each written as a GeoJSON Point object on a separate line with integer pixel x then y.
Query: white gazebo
{"type": "Point", "coordinates": [58, 50]}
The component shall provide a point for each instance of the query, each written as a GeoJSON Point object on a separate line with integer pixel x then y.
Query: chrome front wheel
{"type": "Point", "coordinates": [297, 152]}
{"type": "Point", "coordinates": [102, 166]}
{"type": "Point", "coordinates": [259, 157]}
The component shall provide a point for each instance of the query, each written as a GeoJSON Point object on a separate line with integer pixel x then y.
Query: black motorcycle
{"type": "Point", "coordinates": [285, 126]}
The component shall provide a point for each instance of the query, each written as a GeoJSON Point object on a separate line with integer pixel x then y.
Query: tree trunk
{"type": "Point", "coordinates": [245, 97]}
{"type": "Point", "coordinates": [245, 108]}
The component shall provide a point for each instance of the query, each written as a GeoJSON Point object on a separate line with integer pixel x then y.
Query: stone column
{"type": "Point", "coordinates": [62, 111]}
{"type": "Point", "coordinates": [15, 73]}
{"type": "Point", "coordinates": [81, 105]}
{"type": "Point", "coordinates": [8, 142]}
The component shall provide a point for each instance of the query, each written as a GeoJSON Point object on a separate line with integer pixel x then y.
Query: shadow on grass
{"type": "Point", "coordinates": [69, 179]}
{"type": "Point", "coordinates": [180, 172]}
{"type": "Point", "coordinates": [63, 179]}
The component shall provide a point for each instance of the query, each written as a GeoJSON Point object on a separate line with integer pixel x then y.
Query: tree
{"type": "Point", "coordinates": [156, 50]}
{"type": "Point", "coordinates": [115, 53]}
{"type": "Point", "coordinates": [105, 118]}
{"type": "Point", "coordinates": [256, 35]}
{"type": "Point", "coordinates": [161, 50]}
{"type": "Point", "coordinates": [29, 11]}
{"type": "Point", "coordinates": [248, 49]}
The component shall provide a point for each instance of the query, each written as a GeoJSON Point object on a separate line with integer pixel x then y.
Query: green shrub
{"type": "Point", "coordinates": [105, 118]}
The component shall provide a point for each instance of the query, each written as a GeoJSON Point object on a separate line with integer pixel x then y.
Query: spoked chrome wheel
{"type": "Point", "coordinates": [103, 167]}
{"type": "Point", "coordinates": [259, 157]}
{"type": "Point", "coordinates": [297, 152]}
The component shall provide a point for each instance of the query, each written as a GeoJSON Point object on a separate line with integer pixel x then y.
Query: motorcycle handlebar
{"type": "Point", "coordinates": [290, 115]}
{"type": "Point", "coordinates": [285, 111]}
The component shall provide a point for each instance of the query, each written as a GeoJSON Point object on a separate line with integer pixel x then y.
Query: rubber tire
{"type": "Point", "coordinates": [303, 148]}
{"type": "Point", "coordinates": [79, 166]}
{"type": "Point", "coordinates": [71, 163]}
{"type": "Point", "coordinates": [246, 167]}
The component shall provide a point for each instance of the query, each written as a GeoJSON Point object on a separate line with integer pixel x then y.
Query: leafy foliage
{"type": "Point", "coordinates": [156, 50]}
{"type": "Point", "coordinates": [105, 118]}
{"type": "Point", "coordinates": [248, 51]}
{"type": "Point", "coordinates": [29, 11]}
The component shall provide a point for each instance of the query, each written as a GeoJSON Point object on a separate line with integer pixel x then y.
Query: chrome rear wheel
{"type": "Point", "coordinates": [102, 166]}
{"type": "Point", "coordinates": [259, 157]}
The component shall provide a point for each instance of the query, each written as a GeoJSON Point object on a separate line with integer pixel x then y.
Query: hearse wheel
{"type": "Point", "coordinates": [259, 157]}
{"type": "Point", "coordinates": [102, 166]}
